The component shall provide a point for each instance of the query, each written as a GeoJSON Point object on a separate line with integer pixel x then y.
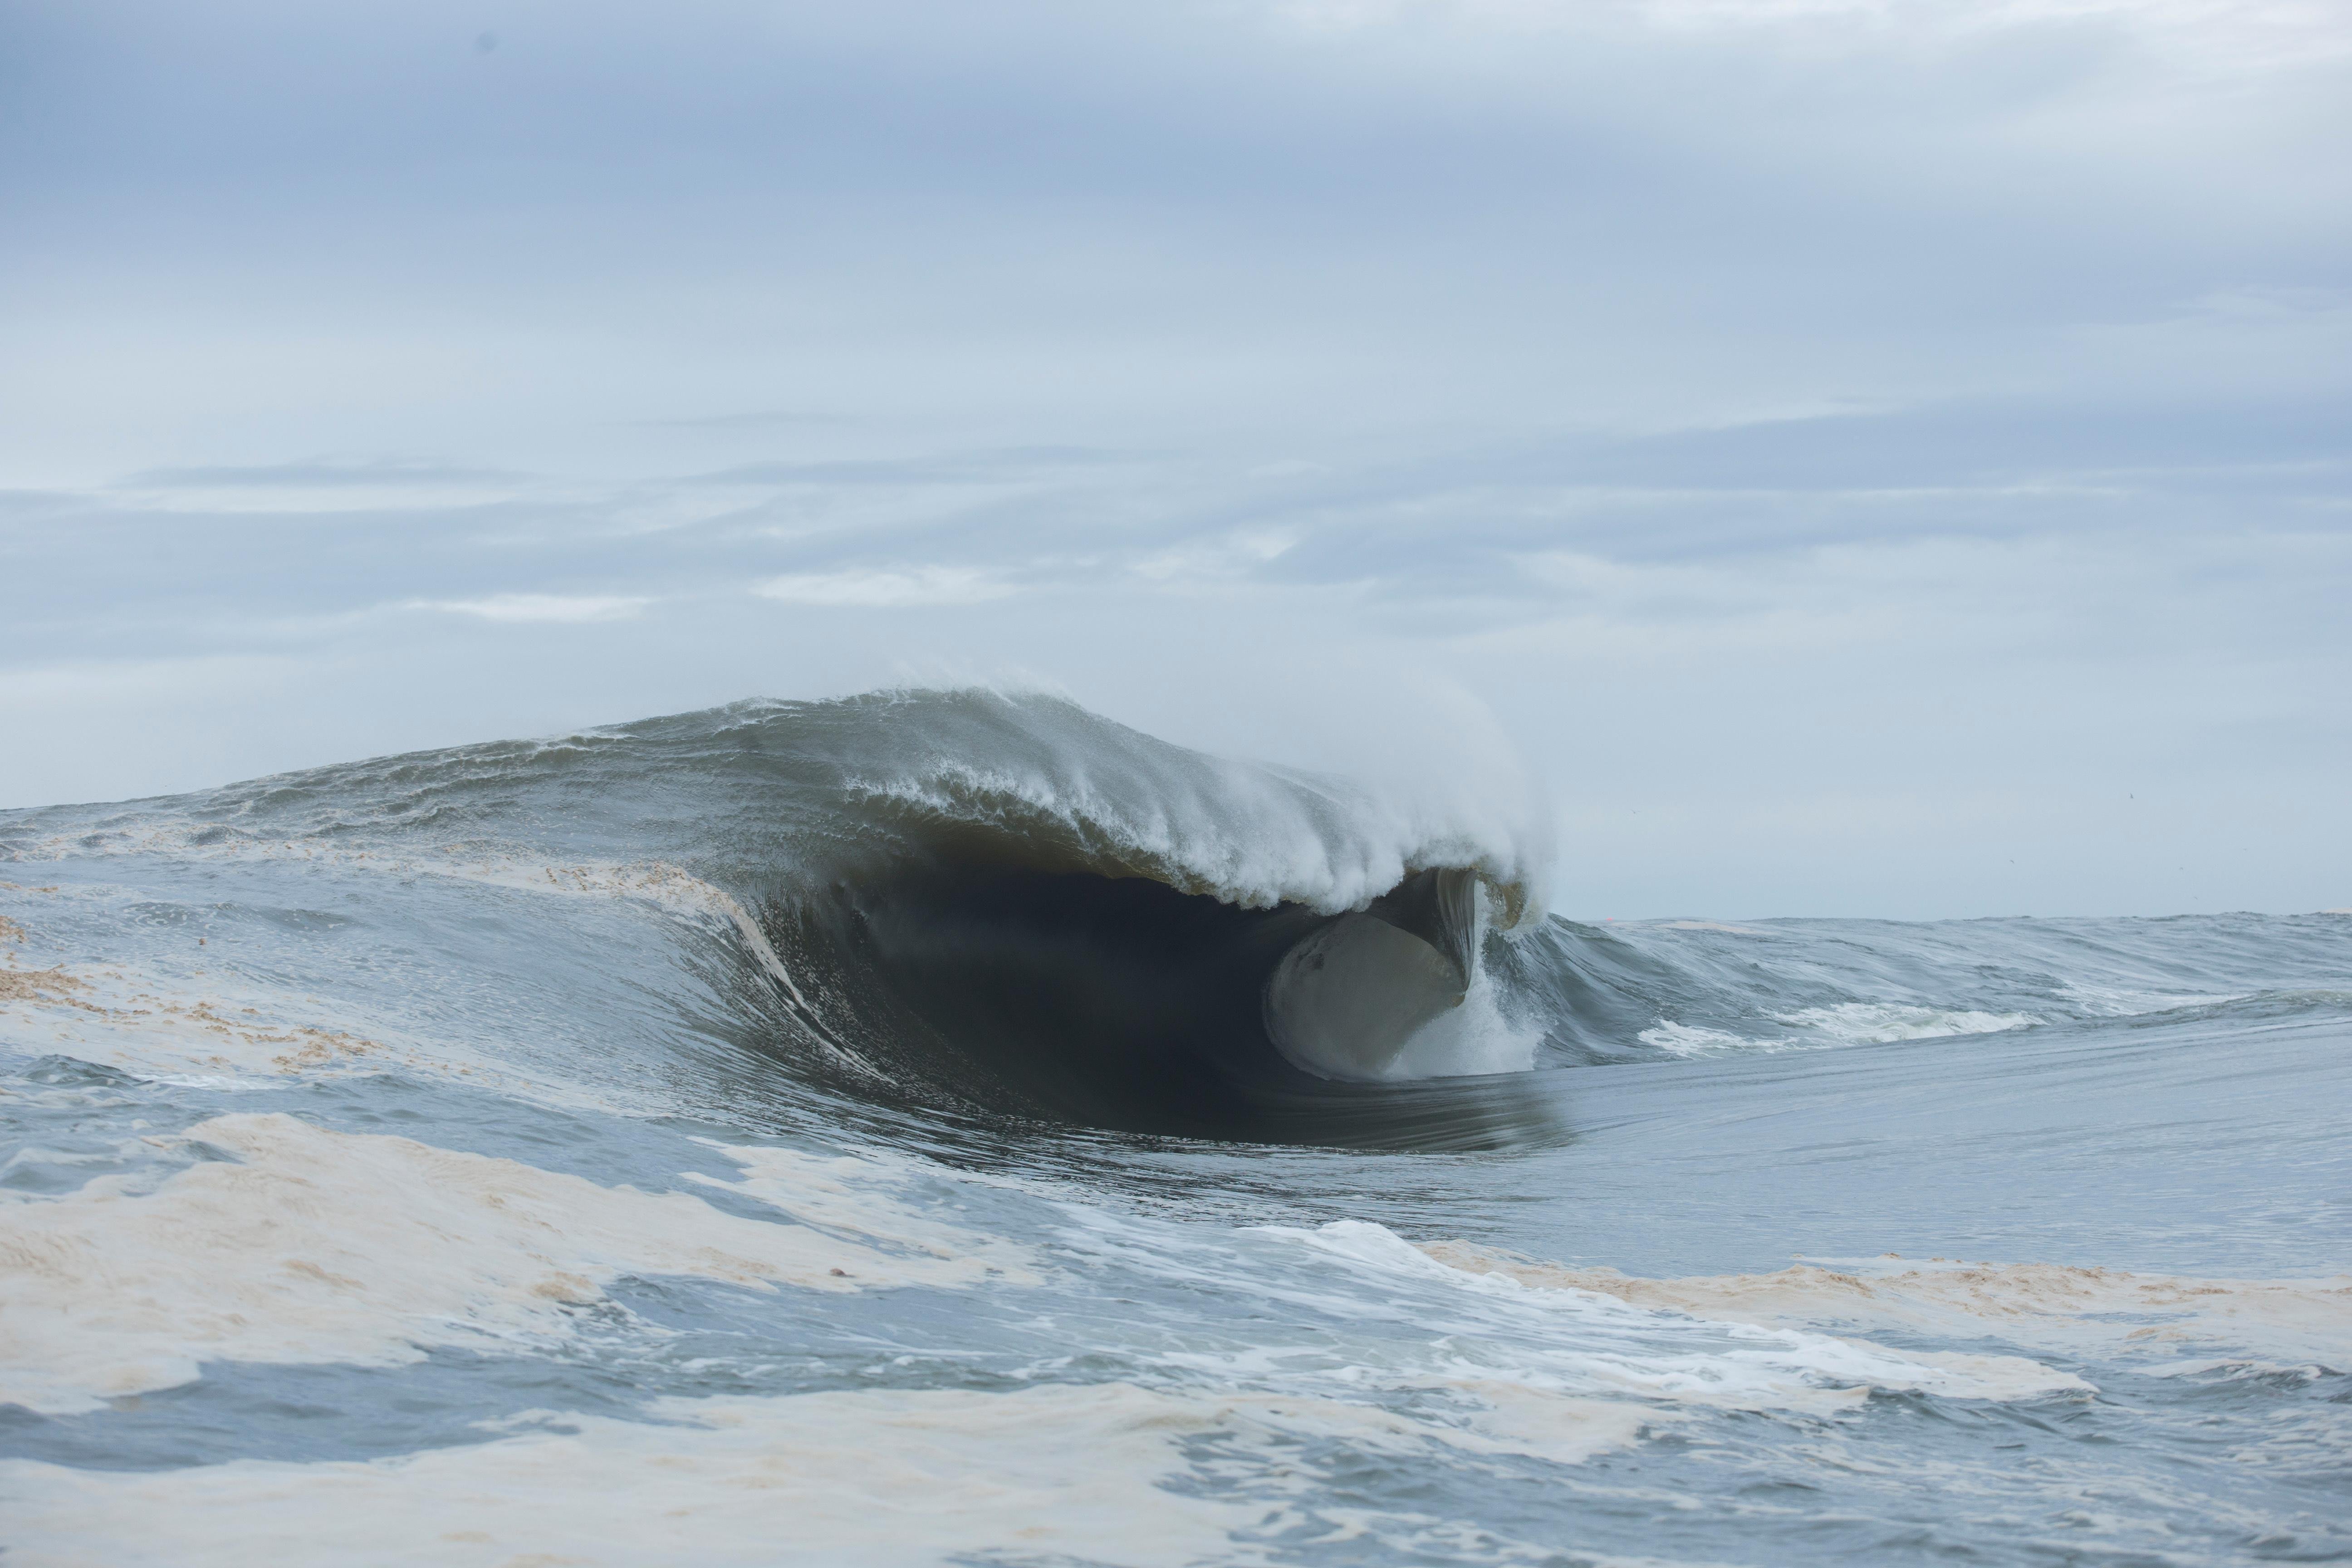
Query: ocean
{"type": "Point", "coordinates": [950, 1127]}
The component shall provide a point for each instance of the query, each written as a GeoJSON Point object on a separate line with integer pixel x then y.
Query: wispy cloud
{"type": "Point", "coordinates": [2219, 34]}
{"type": "Point", "coordinates": [890, 589]}
{"type": "Point", "coordinates": [958, 469]}
{"type": "Point", "coordinates": [758, 420]}
{"type": "Point", "coordinates": [1741, 394]}
{"type": "Point", "coordinates": [542, 609]}
{"type": "Point", "coordinates": [373, 473]}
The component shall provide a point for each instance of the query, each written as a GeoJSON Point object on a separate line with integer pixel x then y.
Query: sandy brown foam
{"type": "Point", "coordinates": [2050, 1304]}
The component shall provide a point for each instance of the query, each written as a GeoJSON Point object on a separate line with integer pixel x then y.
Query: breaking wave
{"type": "Point", "coordinates": [972, 904]}
{"type": "Point", "coordinates": [1191, 1161]}
{"type": "Point", "coordinates": [993, 903]}
{"type": "Point", "coordinates": [1022, 907]}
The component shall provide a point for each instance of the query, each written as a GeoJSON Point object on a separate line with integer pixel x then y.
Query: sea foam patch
{"type": "Point", "coordinates": [293, 1244]}
{"type": "Point", "coordinates": [122, 1017]}
{"type": "Point", "coordinates": [1691, 1041]}
{"type": "Point", "coordinates": [1052, 1473]}
{"type": "Point", "coordinates": [2050, 1306]}
{"type": "Point", "coordinates": [1883, 1023]}
{"type": "Point", "coordinates": [1610, 1346]}
{"type": "Point", "coordinates": [863, 1193]}
{"type": "Point", "coordinates": [1846, 1024]}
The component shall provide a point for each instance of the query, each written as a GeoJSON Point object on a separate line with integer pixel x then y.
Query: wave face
{"type": "Point", "coordinates": [1008, 905]}
{"type": "Point", "coordinates": [724, 1127]}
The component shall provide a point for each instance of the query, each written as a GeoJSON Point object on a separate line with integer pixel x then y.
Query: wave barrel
{"type": "Point", "coordinates": [1349, 998]}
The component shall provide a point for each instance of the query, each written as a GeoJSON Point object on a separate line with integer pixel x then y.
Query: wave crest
{"type": "Point", "coordinates": [1060, 788]}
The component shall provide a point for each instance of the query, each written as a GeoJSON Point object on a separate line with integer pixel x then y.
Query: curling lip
{"type": "Point", "coordinates": [1041, 909]}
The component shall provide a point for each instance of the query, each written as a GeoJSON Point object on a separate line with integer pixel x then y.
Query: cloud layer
{"type": "Point", "coordinates": [1874, 458]}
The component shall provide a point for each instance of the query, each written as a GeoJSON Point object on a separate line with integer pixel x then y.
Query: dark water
{"type": "Point", "coordinates": [952, 1128]}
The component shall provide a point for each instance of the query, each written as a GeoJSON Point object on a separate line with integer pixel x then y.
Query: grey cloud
{"type": "Point", "coordinates": [1985, 443]}
{"type": "Point", "coordinates": [1007, 464]}
{"type": "Point", "coordinates": [377, 473]}
{"type": "Point", "coordinates": [767, 420]}
{"type": "Point", "coordinates": [1134, 345]}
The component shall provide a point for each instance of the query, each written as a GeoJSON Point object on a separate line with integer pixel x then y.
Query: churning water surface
{"type": "Point", "coordinates": [952, 1128]}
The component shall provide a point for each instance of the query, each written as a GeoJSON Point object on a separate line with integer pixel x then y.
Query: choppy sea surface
{"type": "Point", "coordinates": [952, 1128]}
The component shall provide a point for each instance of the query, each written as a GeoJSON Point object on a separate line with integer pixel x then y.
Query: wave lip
{"type": "Point", "coordinates": [1041, 781]}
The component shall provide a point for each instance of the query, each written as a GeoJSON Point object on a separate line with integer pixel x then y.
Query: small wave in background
{"type": "Point", "coordinates": [949, 1126]}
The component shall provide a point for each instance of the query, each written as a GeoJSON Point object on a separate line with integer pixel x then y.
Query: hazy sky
{"type": "Point", "coordinates": [1873, 456]}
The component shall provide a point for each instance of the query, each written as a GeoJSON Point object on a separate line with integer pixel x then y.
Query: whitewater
{"type": "Point", "coordinates": [950, 1127]}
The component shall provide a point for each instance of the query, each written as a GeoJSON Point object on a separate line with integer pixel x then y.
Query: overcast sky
{"type": "Point", "coordinates": [1872, 457]}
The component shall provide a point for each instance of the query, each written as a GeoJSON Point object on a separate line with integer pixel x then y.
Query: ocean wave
{"type": "Point", "coordinates": [520, 1151]}
{"type": "Point", "coordinates": [970, 897]}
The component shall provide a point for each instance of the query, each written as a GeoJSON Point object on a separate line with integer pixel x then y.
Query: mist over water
{"type": "Point", "coordinates": [908, 1129]}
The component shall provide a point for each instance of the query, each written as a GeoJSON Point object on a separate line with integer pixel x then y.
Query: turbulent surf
{"type": "Point", "coordinates": [948, 1126]}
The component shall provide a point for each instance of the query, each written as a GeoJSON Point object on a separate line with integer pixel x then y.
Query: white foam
{"type": "Point", "coordinates": [1690, 1040]}
{"type": "Point", "coordinates": [881, 1478]}
{"type": "Point", "coordinates": [1517, 1419]}
{"type": "Point", "coordinates": [1660, 1351]}
{"type": "Point", "coordinates": [857, 1193]}
{"type": "Point", "coordinates": [1248, 834]}
{"type": "Point", "coordinates": [1473, 1040]}
{"type": "Point", "coordinates": [1846, 1024]}
{"type": "Point", "coordinates": [206, 1028]}
{"type": "Point", "coordinates": [312, 1246]}
{"type": "Point", "coordinates": [2047, 1306]}
{"type": "Point", "coordinates": [2116, 1002]}
{"type": "Point", "coordinates": [1881, 1023]}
